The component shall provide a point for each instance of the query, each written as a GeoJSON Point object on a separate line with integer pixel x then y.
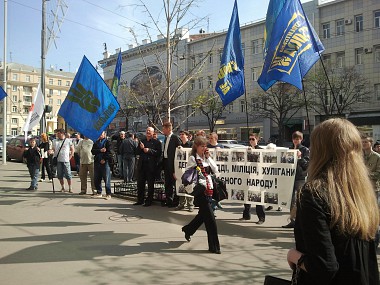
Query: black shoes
{"type": "Point", "coordinates": [187, 236]}
{"type": "Point", "coordinates": [245, 218]}
{"type": "Point", "coordinates": [217, 251]}
{"type": "Point", "coordinates": [261, 221]}
{"type": "Point", "coordinates": [290, 225]}
{"type": "Point", "coordinates": [268, 208]}
{"type": "Point", "coordinates": [138, 203]}
{"type": "Point", "coordinates": [31, 188]}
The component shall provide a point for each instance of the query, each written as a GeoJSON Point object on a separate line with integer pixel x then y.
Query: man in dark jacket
{"type": "Point", "coordinates": [149, 150]}
{"type": "Point", "coordinates": [303, 157]}
{"type": "Point", "coordinates": [170, 145]}
{"type": "Point", "coordinates": [128, 150]}
{"type": "Point", "coordinates": [32, 156]}
{"type": "Point", "coordinates": [102, 151]}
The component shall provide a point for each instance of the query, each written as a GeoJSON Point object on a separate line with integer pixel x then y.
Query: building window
{"type": "Point", "coordinates": [26, 110]}
{"type": "Point", "coordinates": [359, 23]}
{"type": "Point", "coordinates": [200, 83]}
{"type": "Point", "coordinates": [14, 109]}
{"type": "Point", "coordinates": [15, 77]}
{"type": "Point", "coordinates": [14, 98]}
{"type": "Point", "coordinates": [27, 90]}
{"type": "Point", "coordinates": [27, 78]}
{"type": "Point", "coordinates": [210, 83]}
{"type": "Point", "coordinates": [14, 132]}
{"type": "Point", "coordinates": [255, 103]}
{"type": "Point", "coordinates": [377, 19]}
{"type": "Point", "coordinates": [359, 93]}
{"type": "Point", "coordinates": [359, 56]}
{"type": "Point", "coordinates": [242, 106]}
{"type": "Point", "coordinates": [67, 83]}
{"type": "Point", "coordinates": [59, 102]}
{"type": "Point", "coordinates": [377, 54]}
{"type": "Point", "coordinates": [210, 58]}
{"type": "Point", "coordinates": [230, 107]}
{"type": "Point", "coordinates": [255, 47]}
{"type": "Point", "coordinates": [193, 112]}
{"type": "Point", "coordinates": [51, 91]}
{"type": "Point", "coordinates": [340, 59]}
{"type": "Point", "coordinates": [327, 60]}
{"type": "Point", "coordinates": [14, 121]}
{"type": "Point", "coordinates": [59, 92]}
{"type": "Point", "coordinates": [254, 74]}
{"type": "Point", "coordinates": [14, 88]}
{"type": "Point", "coordinates": [243, 48]}
{"type": "Point", "coordinates": [50, 101]}
{"type": "Point", "coordinates": [192, 84]}
{"type": "Point", "coordinates": [59, 82]}
{"type": "Point", "coordinates": [339, 27]}
{"type": "Point", "coordinates": [326, 30]}
{"type": "Point", "coordinates": [51, 81]}
{"type": "Point", "coordinates": [377, 91]}
{"type": "Point", "coordinates": [193, 62]}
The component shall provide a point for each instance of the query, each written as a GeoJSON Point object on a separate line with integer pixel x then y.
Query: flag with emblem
{"type": "Point", "coordinates": [293, 48]}
{"type": "Point", "coordinates": [230, 83]}
{"type": "Point", "coordinates": [89, 106]}
{"type": "Point", "coordinates": [116, 76]}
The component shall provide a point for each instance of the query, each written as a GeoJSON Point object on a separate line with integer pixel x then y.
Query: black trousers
{"type": "Point", "coordinates": [205, 215]}
{"type": "Point", "coordinates": [145, 175]}
{"type": "Point", "coordinates": [260, 212]}
{"type": "Point", "coordinates": [169, 183]}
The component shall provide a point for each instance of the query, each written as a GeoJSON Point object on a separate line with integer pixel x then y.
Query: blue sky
{"type": "Point", "coordinates": [90, 23]}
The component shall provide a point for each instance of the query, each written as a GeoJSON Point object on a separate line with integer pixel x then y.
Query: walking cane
{"type": "Point", "coordinates": [52, 182]}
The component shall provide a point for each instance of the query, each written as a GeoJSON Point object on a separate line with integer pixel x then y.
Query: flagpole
{"type": "Point", "coordinates": [5, 85]}
{"type": "Point", "coordinates": [43, 52]}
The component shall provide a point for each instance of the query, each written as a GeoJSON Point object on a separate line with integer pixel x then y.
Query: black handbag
{"type": "Point", "coordinates": [220, 190]}
{"type": "Point", "coordinates": [271, 280]}
{"type": "Point", "coordinates": [198, 190]}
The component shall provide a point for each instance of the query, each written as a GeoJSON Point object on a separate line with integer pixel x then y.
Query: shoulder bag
{"type": "Point", "coordinates": [55, 158]}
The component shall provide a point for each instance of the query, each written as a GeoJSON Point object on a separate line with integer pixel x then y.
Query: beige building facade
{"type": "Point", "coordinates": [22, 84]}
{"type": "Point", "coordinates": [350, 32]}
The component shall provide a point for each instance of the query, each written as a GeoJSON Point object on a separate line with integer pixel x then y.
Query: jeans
{"type": "Point", "coordinates": [63, 170]}
{"type": "Point", "coordinates": [129, 168]}
{"type": "Point", "coordinates": [34, 171]}
{"type": "Point", "coordinates": [102, 172]}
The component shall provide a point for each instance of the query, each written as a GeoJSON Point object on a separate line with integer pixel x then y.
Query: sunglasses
{"type": "Point", "coordinates": [252, 139]}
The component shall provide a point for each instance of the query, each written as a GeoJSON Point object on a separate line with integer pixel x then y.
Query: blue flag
{"type": "Point", "coordinates": [89, 106]}
{"type": "Point", "coordinates": [116, 76]}
{"type": "Point", "coordinates": [2, 93]}
{"type": "Point", "coordinates": [274, 8]}
{"type": "Point", "coordinates": [293, 49]}
{"type": "Point", "coordinates": [230, 83]}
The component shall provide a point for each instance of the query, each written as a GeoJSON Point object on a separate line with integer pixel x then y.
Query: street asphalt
{"type": "Point", "coordinates": [61, 238]}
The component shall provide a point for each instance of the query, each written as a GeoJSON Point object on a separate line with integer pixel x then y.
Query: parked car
{"type": "Point", "coordinates": [228, 141]}
{"type": "Point", "coordinates": [16, 147]}
{"type": "Point", "coordinates": [1, 145]}
{"type": "Point", "coordinates": [232, 145]}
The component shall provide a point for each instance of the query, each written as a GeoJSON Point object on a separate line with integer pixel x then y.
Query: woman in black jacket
{"type": "Point", "coordinates": [337, 212]}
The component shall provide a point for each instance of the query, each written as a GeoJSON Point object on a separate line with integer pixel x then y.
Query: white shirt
{"type": "Point", "coordinates": [167, 145]}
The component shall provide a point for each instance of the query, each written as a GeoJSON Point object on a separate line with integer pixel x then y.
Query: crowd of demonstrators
{"type": "Point", "coordinates": [63, 150]}
{"type": "Point", "coordinates": [127, 150]}
{"type": "Point", "coordinates": [200, 157]}
{"type": "Point", "coordinates": [33, 156]}
{"type": "Point", "coordinates": [45, 146]}
{"type": "Point", "coordinates": [337, 215]}
{"type": "Point", "coordinates": [171, 143]}
{"type": "Point", "coordinates": [260, 212]}
{"type": "Point", "coordinates": [149, 151]}
{"type": "Point", "coordinates": [120, 160]}
{"type": "Point", "coordinates": [101, 150]}
{"type": "Point", "coordinates": [76, 140]}
{"type": "Point", "coordinates": [83, 149]}
{"type": "Point", "coordinates": [303, 157]}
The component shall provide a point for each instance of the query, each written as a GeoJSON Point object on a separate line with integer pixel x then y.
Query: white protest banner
{"type": "Point", "coordinates": [252, 176]}
{"type": "Point", "coordinates": [35, 112]}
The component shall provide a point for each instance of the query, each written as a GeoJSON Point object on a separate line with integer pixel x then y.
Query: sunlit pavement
{"type": "Point", "coordinates": [62, 238]}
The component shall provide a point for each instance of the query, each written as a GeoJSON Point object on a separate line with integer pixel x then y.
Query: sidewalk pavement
{"type": "Point", "coordinates": [67, 238]}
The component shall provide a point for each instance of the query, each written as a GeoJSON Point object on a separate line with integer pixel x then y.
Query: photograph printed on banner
{"type": "Point", "coordinates": [271, 198]}
{"type": "Point", "coordinates": [181, 154]}
{"type": "Point", "coordinates": [237, 156]}
{"type": "Point", "coordinates": [254, 196]}
{"type": "Point", "coordinates": [287, 157]}
{"type": "Point", "coordinates": [222, 155]}
{"type": "Point", "coordinates": [237, 195]}
{"type": "Point", "coordinates": [269, 157]}
{"type": "Point", "coordinates": [253, 156]}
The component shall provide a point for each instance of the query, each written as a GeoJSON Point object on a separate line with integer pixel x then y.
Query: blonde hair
{"type": "Point", "coordinates": [337, 172]}
{"type": "Point", "coordinates": [44, 137]}
{"type": "Point", "coordinates": [199, 140]}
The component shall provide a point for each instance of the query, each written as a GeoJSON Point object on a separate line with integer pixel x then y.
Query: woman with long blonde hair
{"type": "Point", "coordinates": [337, 213]}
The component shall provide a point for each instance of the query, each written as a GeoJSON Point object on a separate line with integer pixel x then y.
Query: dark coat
{"type": "Point", "coordinates": [98, 145]}
{"type": "Point", "coordinates": [174, 142]}
{"type": "Point", "coordinates": [149, 161]}
{"type": "Point", "coordinates": [32, 156]}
